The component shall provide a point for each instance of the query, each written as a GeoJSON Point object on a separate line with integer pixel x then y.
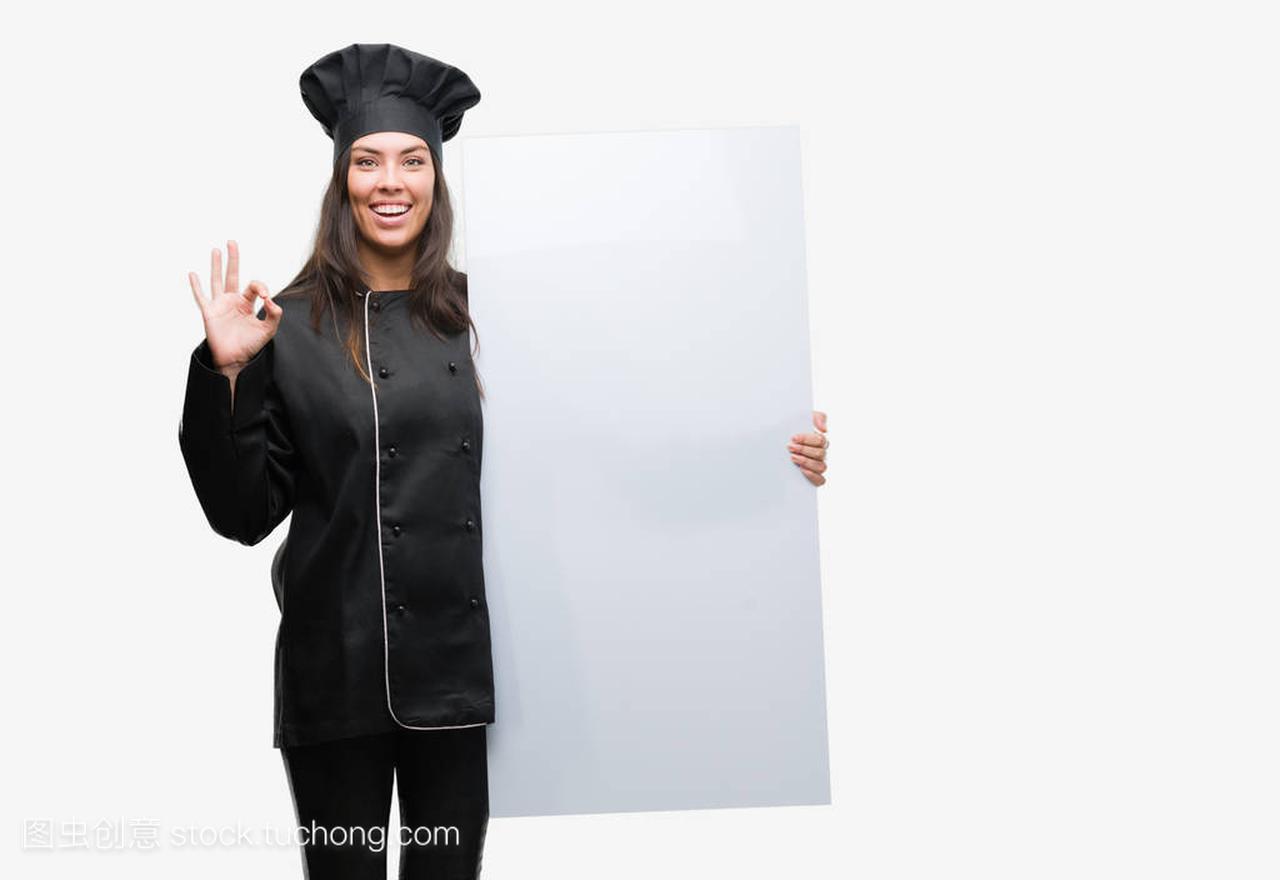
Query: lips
{"type": "Point", "coordinates": [389, 220]}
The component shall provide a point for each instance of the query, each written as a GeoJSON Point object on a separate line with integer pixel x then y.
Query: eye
{"type": "Point", "coordinates": [360, 162]}
{"type": "Point", "coordinates": [416, 159]}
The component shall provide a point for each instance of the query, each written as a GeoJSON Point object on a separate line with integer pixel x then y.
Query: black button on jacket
{"type": "Point", "coordinates": [380, 583]}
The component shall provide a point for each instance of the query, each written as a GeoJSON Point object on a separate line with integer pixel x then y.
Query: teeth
{"type": "Point", "coordinates": [391, 209]}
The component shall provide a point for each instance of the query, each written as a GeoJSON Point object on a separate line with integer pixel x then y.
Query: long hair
{"type": "Point", "coordinates": [332, 274]}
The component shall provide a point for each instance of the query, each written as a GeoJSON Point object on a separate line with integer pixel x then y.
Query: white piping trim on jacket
{"type": "Point", "coordinates": [377, 509]}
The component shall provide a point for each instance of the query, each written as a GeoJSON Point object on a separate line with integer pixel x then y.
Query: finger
{"type": "Point", "coordinates": [233, 266]}
{"type": "Point", "coordinates": [272, 307]}
{"type": "Point", "coordinates": [215, 273]}
{"type": "Point", "coordinates": [820, 420]}
{"type": "Point", "coordinates": [816, 441]}
{"type": "Point", "coordinates": [254, 290]}
{"type": "Point", "coordinates": [815, 479]}
{"type": "Point", "coordinates": [811, 453]}
{"type": "Point", "coordinates": [809, 465]}
{"type": "Point", "coordinates": [274, 312]}
{"type": "Point", "coordinates": [194, 279]}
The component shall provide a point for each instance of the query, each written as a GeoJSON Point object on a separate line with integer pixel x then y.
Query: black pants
{"type": "Point", "coordinates": [342, 796]}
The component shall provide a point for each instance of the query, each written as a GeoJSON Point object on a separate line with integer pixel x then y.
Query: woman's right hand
{"type": "Point", "coordinates": [231, 324]}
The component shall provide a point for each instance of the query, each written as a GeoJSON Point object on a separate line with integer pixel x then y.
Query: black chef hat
{"type": "Point", "coordinates": [381, 87]}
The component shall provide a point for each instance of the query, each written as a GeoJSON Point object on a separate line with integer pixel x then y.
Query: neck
{"type": "Point", "coordinates": [383, 271]}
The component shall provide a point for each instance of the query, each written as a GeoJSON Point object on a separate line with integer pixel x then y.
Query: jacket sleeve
{"type": "Point", "coordinates": [242, 462]}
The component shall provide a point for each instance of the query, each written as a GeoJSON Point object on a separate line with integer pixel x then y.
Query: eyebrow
{"type": "Point", "coordinates": [379, 152]}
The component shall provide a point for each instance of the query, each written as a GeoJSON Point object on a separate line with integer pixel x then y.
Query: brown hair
{"type": "Point", "coordinates": [332, 274]}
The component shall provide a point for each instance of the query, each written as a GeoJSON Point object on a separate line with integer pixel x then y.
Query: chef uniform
{"type": "Point", "coordinates": [383, 650]}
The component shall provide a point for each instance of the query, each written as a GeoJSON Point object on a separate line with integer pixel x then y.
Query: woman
{"type": "Point", "coordinates": [353, 404]}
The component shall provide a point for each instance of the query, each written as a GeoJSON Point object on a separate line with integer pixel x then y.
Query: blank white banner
{"type": "Point", "coordinates": [651, 552]}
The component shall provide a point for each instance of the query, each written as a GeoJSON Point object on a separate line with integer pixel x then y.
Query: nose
{"type": "Point", "coordinates": [390, 178]}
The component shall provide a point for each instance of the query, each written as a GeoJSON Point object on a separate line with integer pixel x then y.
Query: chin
{"type": "Point", "coordinates": [394, 242]}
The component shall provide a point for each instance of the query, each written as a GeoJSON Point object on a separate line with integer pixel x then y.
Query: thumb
{"type": "Point", "coordinates": [273, 311]}
{"type": "Point", "coordinates": [257, 289]}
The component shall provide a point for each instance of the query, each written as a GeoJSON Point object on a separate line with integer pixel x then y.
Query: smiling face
{"type": "Point", "coordinates": [390, 182]}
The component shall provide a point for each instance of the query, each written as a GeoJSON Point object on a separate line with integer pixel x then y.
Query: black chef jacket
{"type": "Point", "coordinates": [383, 620]}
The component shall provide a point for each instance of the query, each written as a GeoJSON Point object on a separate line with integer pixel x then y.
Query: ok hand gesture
{"type": "Point", "coordinates": [231, 324]}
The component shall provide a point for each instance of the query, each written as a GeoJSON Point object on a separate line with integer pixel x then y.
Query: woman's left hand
{"type": "Point", "coordinates": [809, 451]}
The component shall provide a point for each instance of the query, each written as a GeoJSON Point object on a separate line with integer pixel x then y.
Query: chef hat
{"type": "Point", "coordinates": [381, 87]}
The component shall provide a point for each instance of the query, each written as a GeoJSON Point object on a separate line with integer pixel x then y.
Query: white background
{"type": "Point", "coordinates": [1042, 271]}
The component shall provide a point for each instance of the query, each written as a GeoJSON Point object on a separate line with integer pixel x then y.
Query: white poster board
{"type": "Point", "coordinates": [650, 550]}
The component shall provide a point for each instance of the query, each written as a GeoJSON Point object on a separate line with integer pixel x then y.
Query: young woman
{"type": "Point", "coordinates": [353, 404]}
